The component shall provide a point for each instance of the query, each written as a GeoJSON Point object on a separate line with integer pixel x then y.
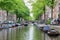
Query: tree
{"type": "Point", "coordinates": [22, 11]}
{"type": "Point", "coordinates": [38, 8]}
{"type": "Point", "coordinates": [15, 6]}
{"type": "Point", "coordinates": [21, 14]}
{"type": "Point", "coordinates": [7, 5]}
{"type": "Point", "coordinates": [51, 4]}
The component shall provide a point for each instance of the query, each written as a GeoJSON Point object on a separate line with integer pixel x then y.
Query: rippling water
{"type": "Point", "coordinates": [20, 33]}
{"type": "Point", "coordinates": [23, 33]}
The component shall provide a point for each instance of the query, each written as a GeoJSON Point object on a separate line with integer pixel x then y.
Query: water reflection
{"type": "Point", "coordinates": [1, 35]}
{"type": "Point", "coordinates": [21, 33]}
{"type": "Point", "coordinates": [31, 31]}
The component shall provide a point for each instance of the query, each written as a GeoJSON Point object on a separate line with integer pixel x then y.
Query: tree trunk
{"type": "Point", "coordinates": [7, 15]}
{"type": "Point", "coordinates": [16, 18]}
{"type": "Point", "coordinates": [19, 19]}
{"type": "Point", "coordinates": [52, 10]}
{"type": "Point", "coordinates": [51, 13]}
{"type": "Point", "coordinates": [44, 15]}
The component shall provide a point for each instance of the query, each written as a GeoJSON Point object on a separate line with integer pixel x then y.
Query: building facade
{"type": "Point", "coordinates": [11, 17]}
{"type": "Point", "coordinates": [56, 11]}
{"type": "Point", "coordinates": [3, 16]}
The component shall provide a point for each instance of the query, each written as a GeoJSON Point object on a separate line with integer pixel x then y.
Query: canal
{"type": "Point", "coordinates": [21, 33]}
{"type": "Point", "coordinates": [29, 32]}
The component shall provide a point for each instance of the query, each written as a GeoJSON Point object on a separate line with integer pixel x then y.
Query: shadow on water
{"type": "Point", "coordinates": [24, 33]}
{"type": "Point", "coordinates": [21, 33]}
{"type": "Point", "coordinates": [46, 37]}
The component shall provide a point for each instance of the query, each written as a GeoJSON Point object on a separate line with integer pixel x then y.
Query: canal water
{"type": "Point", "coordinates": [30, 32]}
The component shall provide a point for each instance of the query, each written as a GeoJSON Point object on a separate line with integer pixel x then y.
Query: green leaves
{"type": "Point", "coordinates": [51, 3]}
{"type": "Point", "coordinates": [15, 6]}
{"type": "Point", "coordinates": [39, 7]}
{"type": "Point", "coordinates": [7, 5]}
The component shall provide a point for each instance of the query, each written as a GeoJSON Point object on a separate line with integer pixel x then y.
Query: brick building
{"type": "Point", "coordinates": [56, 11]}
{"type": "Point", "coordinates": [11, 17]}
{"type": "Point", "coordinates": [3, 16]}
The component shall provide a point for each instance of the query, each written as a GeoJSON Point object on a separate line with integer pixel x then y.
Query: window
{"type": "Point", "coordinates": [59, 13]}
{"type": "Point", "coordinates": [59, 10]}
{"type": "Point", "coordinates": [59, 3]}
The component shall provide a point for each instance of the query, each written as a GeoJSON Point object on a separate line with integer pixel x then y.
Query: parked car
{"type": "Point", "coordinates": [24, 24]}
{"type": "Point", "coordinates": [54, 22]}
{"type": "Point", "coordinates": [8, 24]}
{"type": "Point", "coordinates": [58, 20]}
{"type": "Point", "coordinates": [17, 24]}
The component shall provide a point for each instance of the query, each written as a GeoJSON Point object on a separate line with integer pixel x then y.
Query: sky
{"type": "Point", "coordinates": [29, 6]}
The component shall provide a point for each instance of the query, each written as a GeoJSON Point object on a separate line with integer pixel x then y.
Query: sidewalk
{"type": "Point", "coordinates": [42, 25]}
{"type": "Point", "coordinates": [57, 26]}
